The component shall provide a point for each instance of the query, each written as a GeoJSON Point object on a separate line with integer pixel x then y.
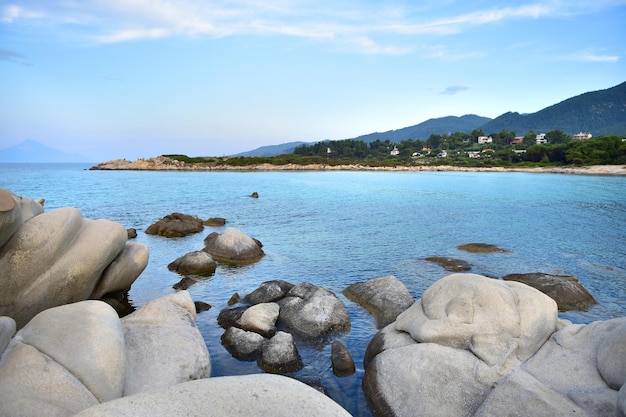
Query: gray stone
{"type": "Point", "coordinates": [269, 291]}
{"type": "Point", "coordinates": [194, 263]}
{"type": "Point", "coordinates": [39, 261]}
{"type": "Point", "coordinates": [66, 359]}
{"type": "Point", "coordinates": [621, 401]}
{"type": "Point", "coordinates": [248, 395]}
{"type": "Point", "coordinates": [384, 297]}
{"type": "Point", "coordinates": [341, 360]}
{"type": "Point", "coordinates": [15, 211]}
{"type": "Point", "coordinates": [568, 293]}
{"type": "Point", "coordinates": [611, 356]}
{"type": "Point", "coordinates": [7, 330]}
{"type": "Point", "coordinates": [233, 246]}
{"type": "Point", "coordinates": [425, 379]}
{"type": "Point", "coordinates": [242, 344]}
{"type": "Point", "coordinates": [503, 323]}
{"type": "Point", "coordinates": [123, 271]}
{"type": "Point", "coordinates": [163, 345]}
{"type": "Point", "coordinates": [260, 318]}
{"type": "Point", "coordinates": [312, 311]}
{"type": "Point", "coordinates": [176, 225]}
{"type": "Point", "coordinates": [279, 355]}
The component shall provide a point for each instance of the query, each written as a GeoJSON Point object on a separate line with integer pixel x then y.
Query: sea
{"type": "Point", "coordinates": [334, 229]}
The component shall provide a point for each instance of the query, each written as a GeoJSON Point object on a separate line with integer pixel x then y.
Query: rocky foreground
{"type": "Point", "coordinates": [162, 163]}
{"type": "Point", "coordinates": [470, 346]}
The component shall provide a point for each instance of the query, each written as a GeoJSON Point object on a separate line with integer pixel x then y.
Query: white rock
{"type": "Point", "coordinates": [123, 271]}
{"type": "Point", "coordinates": [260, 318]}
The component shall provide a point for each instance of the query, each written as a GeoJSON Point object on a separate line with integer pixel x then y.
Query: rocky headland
{"type": "Point", "coordinates": [162, 163]}
{"type": "Point", "coordinates": [469, 346]}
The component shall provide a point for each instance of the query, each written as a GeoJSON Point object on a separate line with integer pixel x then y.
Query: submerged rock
{"type": "Point", "coordinates": [341, 359]}
{"type": "Point", "coordinates": [568, 293]}
{"type": "Point", "coordinates": [215, 221]}
{"type": "Point", "coordinates": [480, 248]}
{"type": "Point", "coordinates": [450, 264]}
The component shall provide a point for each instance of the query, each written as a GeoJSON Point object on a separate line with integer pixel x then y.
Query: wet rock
{"type": "Point", "coordinates": [215, 221]}
{"type": "Point", "coordinates": [269, 291]}
{"type": "Point", "coordinates": [260, 318]}
{"type": "Point", "coordinates": [234, 299]}
{"type": "Point", "coordinates": [233, 246]}
{"type": "Point", "coordinates": [201, 306]}
{"type": "Point", "coordinates": [341, 359]}
{"type": "Point", "coordinates": [242, 344]}
{"type": "Point", "coordinates": [564, 289]}
{"type": "Point", "coordinates": [279, 355]}
{"type": "Point", "coordinates": [311, 311]}
{"type": "Point", "coordinates": [480, 248]}
{"type": "Point", "coordinates": [184, 283]}
{"type": "Point", "coordinates": [194, 263]}
{"type": "Point", "coordinates": [132, 233]}
{"type": "Point", "coordinates": [384, 297]}
{"type": "Point", "coordinates": [176, 225]}
{"type": "Point", "coordinates": [450, 264]}
{"type": "Point", "coordinates": [229, 316]}
{"type": "Point", "coordinates": [254, 195]}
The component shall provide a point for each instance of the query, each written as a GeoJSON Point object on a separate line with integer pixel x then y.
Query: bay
{"type": "Point", "coordinates": [337, 228]}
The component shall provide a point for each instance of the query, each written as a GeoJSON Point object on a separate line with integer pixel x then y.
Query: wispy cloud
{"type": "Point", "coordinates": [454, 89]}
{"type": "Point", "coordinates": [371, 29]}
{"type": "Point", "coordinates": [587, 56]}
{"type": "Point", "coordinates": [14, 57]}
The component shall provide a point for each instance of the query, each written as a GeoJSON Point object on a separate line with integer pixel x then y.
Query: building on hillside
{"type": "Point", "coordinates": [474, 154]}
{"type": "Point", "coordinates": [485, 139]}
{"type": "Point", "coordinates": [582, 136]}
{"type": "Point", "coordinates": [541, 139]}
{"type": "Point", "coordinates": [394, 151]}
{"type": "Point", "coordinates": [442, 154]}
{"type": "Point", "coordinates": [517, 140]}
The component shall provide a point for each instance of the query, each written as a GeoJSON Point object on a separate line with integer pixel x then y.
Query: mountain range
{"type": "Point", "coordinates": [33, 151]}
{"type": "Point", "coordinates": [601, 112]}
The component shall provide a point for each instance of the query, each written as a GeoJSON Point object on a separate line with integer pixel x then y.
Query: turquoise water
{"type": "Point", "coordinates": [337, 228]}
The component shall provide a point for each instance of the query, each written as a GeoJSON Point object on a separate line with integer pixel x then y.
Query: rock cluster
{"type": "Point", "coordinates": [74, 356]}
{"type": "Point", "coordinates": [176, 225]}
{"type": "Point", "coordinates": [38, 253]}
{"type": "Point", "coordinates": [477, 346]}
{"type": "Point", "coordinates": [307, 310]}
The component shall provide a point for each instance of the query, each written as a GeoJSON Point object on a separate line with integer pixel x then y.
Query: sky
{"type": "Point", "coordinates": [140, 78]}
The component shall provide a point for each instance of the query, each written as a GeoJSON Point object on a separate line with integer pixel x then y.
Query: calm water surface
{"type": "Point", "coordinates": [337, 228]}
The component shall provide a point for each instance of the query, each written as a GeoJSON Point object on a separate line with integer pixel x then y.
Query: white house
{"type": "Point", "coordinates": [485, 139]}
{"type": "Point", "coordinates": [582, 136]}
{"type": "Point", "coordinates": [541, 138]}
{"type": "Point", "coordinates": [395, 151]}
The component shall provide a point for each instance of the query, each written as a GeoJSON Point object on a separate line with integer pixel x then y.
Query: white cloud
{"type": "Point", "coordinates": [454, 89]}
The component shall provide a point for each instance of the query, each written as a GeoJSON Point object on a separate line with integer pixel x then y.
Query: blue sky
{"type": "Point", "coordinates": [141, 78]}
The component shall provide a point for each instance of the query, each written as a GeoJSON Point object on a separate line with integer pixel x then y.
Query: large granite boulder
{"type": "Point", "coordinates": [40, 268]}
{"type": "Point", "coordinates": [15, 211]}
{"type": "Point", "coordinates": [248, 395]}
{"type": "Point", "coordinates": [311, 311]}
{"type": "Point", "coordinates": [176, 225]}
{"type": "Point", "coordinates": [476, 346]}
{"type": "Point", "coordinates": [163, 344]}
{"type": "Point", "coordinates": [193, 263]}
{"type": "Point", "coordinates": [384, 297]}
{"type": "Point", "coordinates": [568, 293]}
{"type": "Point", "coordinates": [74, 356]}
{"type": "Point", "coordinates": [64, 360]}
{"type": "Point", "coordinates": [233, 246]}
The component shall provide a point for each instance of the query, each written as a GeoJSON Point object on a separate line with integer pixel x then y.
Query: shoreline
{"type": "Point", "coordinates": [166, 164]}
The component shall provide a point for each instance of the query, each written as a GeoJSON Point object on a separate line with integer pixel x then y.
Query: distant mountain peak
{"type": "Point", "coordinates": [33, 151]}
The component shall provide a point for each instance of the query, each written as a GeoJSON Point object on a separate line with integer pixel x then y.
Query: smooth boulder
{"type": "Point", "coordinates": [233, 246]}
{"type": "Point", "coordinates": [15, 211]}
{"type": "Point", "coordinates": [64, 360]}
{"type": "Point", "coordinates": [260, 318]}
{"type": "Point", "coordinates": [384, 297]}
{"type": "Point", "coordinates": [568, 293]}
{"type": "Point", "coordinates": [279, 355]}
{"type": "Point", "coordinates": [269, 291]}
{"type": "Point", "coordinates": [193, 263]}
{"type": "Point", "coordinates": [311, 311]}
{"type": "Point", "coordinates": [40, 265]}
{"type": "Point", "coordinates": [248, 395]}
{"type": "Point", "coordinates": [164, 346]}
{"type": "Point", "coordinates": [123, 270]}
{"type": "Point", "coordinates": [176, 225]}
